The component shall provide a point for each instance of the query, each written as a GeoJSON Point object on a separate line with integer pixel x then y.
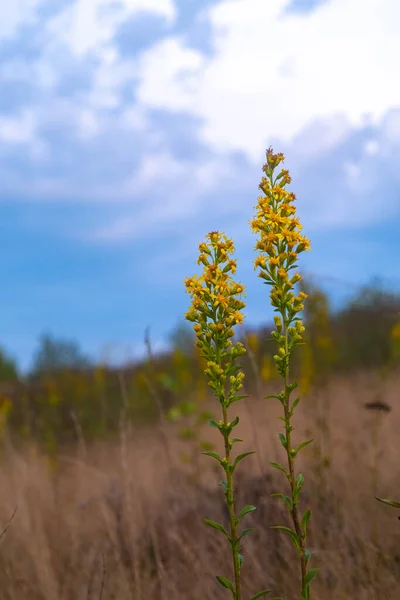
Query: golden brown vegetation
{"type": "Point", "coordinates": [120, 519]}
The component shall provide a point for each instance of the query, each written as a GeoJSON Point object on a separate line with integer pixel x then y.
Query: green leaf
{"type": "Point", "coordinates": [213, 455]}
{"type": "Point", "coordinates": [310, 576]}
{"type": "Point", "coordinates": [245, 510]}
{"type": "Point", "coordinates": [279, 467]}
{"type": "Point", "coordinates": [292, 386]}
{"type": "Point", "coordinates": [237, 398]}
{"type": "Point", "coordinates": [215, 525]}
{"type": "Point", "coordinates": [241, 560]}
{"type": "Point", "coordinates": [234, 423]}
{"type": "Point", "coordinates": [283, 440]}
{"type": "Point", "coordinates": [235, 440]}
{"type": "Point", "coordinates": [246, 532]}
{"type": "Point", "coordinates": [225, 583]}
{"type": "Point", "coordinates": [302, 445]}
{"type": "Point", "coordinates": [393, 503]}
{"type": "Point", "coordinates": [294, 404]}
{"type": "Point", "coordinates": [273, 396]}
{"type": "Point", "coordinates": [261, 594]}
{"type": "Point", "coordinates": [241, 457]}
{"type": "Point", "coordinates": [305, 520]}
{"type": "Point", "coordinates": [213, 423]}
{"type": "Point", "coordinates": [290, 532]}
{"type": "Point", "coordinates": [307, 555]}
{"type": "Point", "coordinates": [286, 499]}
{"type": "Point", "coordinates": [297, 487]}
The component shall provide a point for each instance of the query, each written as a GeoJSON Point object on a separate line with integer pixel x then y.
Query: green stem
{"type": "Point", "coordinates": [231, 508]}
{"type": "Point", "coordinates": [294, 511]}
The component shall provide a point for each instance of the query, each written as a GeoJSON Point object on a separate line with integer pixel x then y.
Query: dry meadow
{"type": "Point", "coordinates": [122, 519]}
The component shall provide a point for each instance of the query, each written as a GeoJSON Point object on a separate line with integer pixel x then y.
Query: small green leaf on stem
{"type": "Point", "coordinates": [215, 525]}
{"type": "Point", "coordinates": [301, 446]}
{"type": "Point", "coordinates": [283, 440]}
{"type": "Point", "coordinates": [305, 520]}
{"type": "Point", "coordinates": [241, 457]}
{"type": "Point", "coordinates": [246, 532]}
{"type": "Point", "coordinates": [261, 594]}
{"type": "Point", "coordinates": [393, 503]}
{"type": "Point", "coordinates": [310, 576]}
{"type": "Point", "coordinates": [290, 532]}
{"type": "Point", "coordinates": [285, 498]}
{"type": "Point", "coordinates": [225, 583]}
{"type": "Point", "coordinates": [213, 455]}
{"type": "Point", "coordinates": [279, 467]}
{"type": "Point", "coordinates": [245, 510]}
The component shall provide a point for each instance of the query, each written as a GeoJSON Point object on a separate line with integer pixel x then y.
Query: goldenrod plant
{"type": "Point", "coordinates": [215, 310]}
{"type": "Point", "coordinates": [280, 242]}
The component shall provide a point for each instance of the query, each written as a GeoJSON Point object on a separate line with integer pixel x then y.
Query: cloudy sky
{"type": "Point", "coordinates": [131, 128]}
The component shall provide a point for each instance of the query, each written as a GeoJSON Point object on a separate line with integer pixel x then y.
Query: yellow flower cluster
{"type": "Point", "coordinates": [280, 240]}
{"type": "Point", "coordinates": [215, 307]}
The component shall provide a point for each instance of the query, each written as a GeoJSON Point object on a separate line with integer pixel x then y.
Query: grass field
{"type": "Point", "coordinates": [122, 520]}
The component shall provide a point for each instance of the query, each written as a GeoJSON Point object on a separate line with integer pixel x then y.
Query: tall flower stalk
{"type": "Point", "coordinates": [215, 310]}
{"type": "Point", "coordinates": [280, 242]}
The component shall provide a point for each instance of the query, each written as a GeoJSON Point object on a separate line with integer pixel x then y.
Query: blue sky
{"type": "Point", "coordinates": [131, 128]}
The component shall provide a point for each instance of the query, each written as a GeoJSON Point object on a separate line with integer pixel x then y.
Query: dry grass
{"type": "Point", "coordinates": [121, 521]}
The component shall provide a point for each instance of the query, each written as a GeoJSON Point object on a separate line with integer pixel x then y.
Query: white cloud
{"type": "Point", "coordinates": [18, 130]}
{"type": "Point", "coordinates": [87, 125]}
{"type": "Point", "coordinates": [14, 14]}
{"type": "Point", "coordinates": [87, 25]}
{"type": "Point", "coordinates": [274, 71]}
{"type": "Point", "coordinates": [371, 147]}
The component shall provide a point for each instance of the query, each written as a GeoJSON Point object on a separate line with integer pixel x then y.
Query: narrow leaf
{"type": "Point", "coordinates": [285, 498]}
{"type": "Point", "coordinates": [290, 532]}
{"type": "Point", "coordinates": [393, 503]}
{"type": "Point", "coordinates": [241, 457]}
{"type": "Point", "coordinates": [245, 510]}
{"type": "Point", "coordinates": [310, 576]}
{"type": "Point", "coordinates": [213, 455]}
{"type": "Point", "coordinates": [283, 440]}
{"type": "Point", "coordinates": [279, 467]}
{"type": "Point", "coordinates": [302, 445]}
{"type": "Point", "coordinates": [215, 525]}
{"type": "Point", "coordinates": [294, 404]}
{"type": "Point", "coordinates": [305, 520]}
{"type": "Point", "coordinates": [246, 532]}
{"type": "Point", "coordinates": [236, 398]}
{"type": "Point", "coordinates": [260, 594]}
{"type": "Point", "coordinates": [225, 583]}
